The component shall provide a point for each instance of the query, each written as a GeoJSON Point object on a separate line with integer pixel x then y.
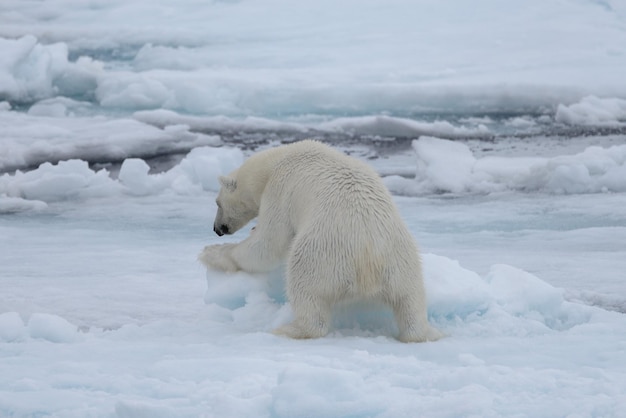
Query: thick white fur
{"type": "Point", "coordinates": [333, 220]}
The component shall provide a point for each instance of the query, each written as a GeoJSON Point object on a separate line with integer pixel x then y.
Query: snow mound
{"type": "Point", "coordinates": [30, 71]}
{"type": "Point", "coordinates": [11, 327]}
{"type": "Point", "coordinates": [328, 392]}
{"type": "Point", "coordinates": [52, 328]}
{"type": "Point", "coordinates": [17, 204]}
{"type": "Point", "coordinates": [134, 409]}
{"type": "Point", "coordinates": [53, 182]}
{"type": "Point", "coordinates": [388, 126]}
{"type": "Point", "coordinates": [42, 326]}
{"type": "Point", "coordinates": [74, 179]}
{"type": "Point", "coordinates": [444, 166]}
{"type": "Point", "coordinates": [378, 125]}
{"type": "Point", "coordinates": [199, 170]}
{"type": "Point", "coordinates": [593, 111]}
{"type": "Point", "coordinates": [506, 302]}
{"type": "Point", "coordinates": [51, 131]}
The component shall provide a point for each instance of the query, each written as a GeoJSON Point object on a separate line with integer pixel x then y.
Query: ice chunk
{"type": "Point", "coordinates": [52, 328]}
{"type": "Point", "coordinates": [198, 171]}
{"type": "Point", "coordinates": [53, 182]}
{"type": "Point", "coordinates": [53, 131]}
{"type": "Point", "coordinates": [11, 327]}
{"type": "Point", "coordinates": [453, 290]}
{"type": "Point", "coordinates": [134, 91]}
{"type": "Point", "coordinates": [232, 290]}
{"type": "Point", "coordinates": [134, 175]}
{"type": "Point", "coordinates": [401, 127]}
{"type": "Point", "coordinates": [30, 71]}
{"type": "Point", "coordinates": [506, 301]}
{"type": "Point", "coordinates": [50, 109]}
{"type": "Point", "coordinates": [17, 204]}
{"type": "Point", "coordinates": [72, 179]}
{"type": "Point", "coordinates": [520, 292]}
{"type": "Point", "coordinates": [445, 166]}
{"type": "Point", "coordinates": [593, 110]}
{"type": "Point", "coordinates": [203, 165]}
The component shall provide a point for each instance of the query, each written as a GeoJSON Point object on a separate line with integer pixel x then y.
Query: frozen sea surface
{"type": "Point", "coordinates": [105, 311]}
{"type": "Point", "coordinates": [269, 58]}
{"type": "Point", "coordinates": [500, 127]}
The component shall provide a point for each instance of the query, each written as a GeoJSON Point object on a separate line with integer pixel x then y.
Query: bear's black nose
{"type": "Point", "coordinates": [221, 230]}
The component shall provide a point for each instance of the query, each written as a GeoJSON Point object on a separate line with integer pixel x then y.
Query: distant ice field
{"type": "Point", "coordinates": [270, 59]}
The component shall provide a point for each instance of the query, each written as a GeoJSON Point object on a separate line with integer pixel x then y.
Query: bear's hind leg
{"type": "Point", "coordinates": [412, 321]}
{"type": "Point", "coordinates": [312, 319]}
{"type": "Point", "coordinates": [307, 294]}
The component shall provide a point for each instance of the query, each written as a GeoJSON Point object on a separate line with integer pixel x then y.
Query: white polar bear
{"type": "Point", "coordinates": [334, 221]}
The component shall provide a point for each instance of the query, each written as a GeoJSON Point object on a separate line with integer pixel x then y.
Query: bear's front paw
{"type": "Point", "coordinates": [218, 257]}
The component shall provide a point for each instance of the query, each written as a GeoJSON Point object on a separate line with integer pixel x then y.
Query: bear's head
{"type": "Point", "coordinates": [235, 207]}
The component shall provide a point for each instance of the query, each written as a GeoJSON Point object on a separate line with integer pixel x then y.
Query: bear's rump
{"type": "Point", "coordinates": [348, 261]}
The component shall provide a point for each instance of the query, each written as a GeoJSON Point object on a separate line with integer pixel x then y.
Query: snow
{"type": "Point", "coordinates": [106, 312]}
{"type": "Point", "coordinates": [224, 363]}
{"type": "Point", "coordinates": [18, 204]}
{"type": "Point", "coordinates": [72, 179]}
{"type": "Point", "coordinates": [592, 110]}
{"type": "Point", "coordinates": [52, 328]}
{"type": "Point", "coordinates": [265, 58]}
{"type": "Point", "coordinates": [50, 136]}
{"type": "Point", "coordinates": [30, 140]}
{"type": "Point", "coordinates": [593, 170]}
{"type": "Point", "coordinates": [514, 346]}
{"type": "Point", "coordinates": [498, 127]}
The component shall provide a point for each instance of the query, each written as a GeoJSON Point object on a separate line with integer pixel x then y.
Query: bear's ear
{"type": "Point", "coordinates": [228, 183]}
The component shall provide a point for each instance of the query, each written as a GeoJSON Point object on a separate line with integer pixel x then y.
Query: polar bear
{"type": "Point", "coordinates": [333, 220]}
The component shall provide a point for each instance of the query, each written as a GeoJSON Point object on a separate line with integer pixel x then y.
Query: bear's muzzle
{"type": "Point", "coordinates": [221, 230]}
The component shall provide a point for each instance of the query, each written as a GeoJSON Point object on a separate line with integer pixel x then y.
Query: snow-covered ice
{"type": "Point", "coordinates": [592, 110]}
{"type": "Point", "coordinates": [106, 312]}
{"type": "Point", "coordinates": [499, 127]}
{"type": "Point", "coordinates": [268, 57]}
{"type": "Point", "coordinates": [138, 341]}
{"type": "Point", "coordinates": [593, 170]}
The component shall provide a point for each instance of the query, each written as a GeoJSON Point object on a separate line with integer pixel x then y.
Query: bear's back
{"type": "Point", "coordinates": [314, 165]}
{"type": "Point", "coordinates": [317, 178]}
{"type": "Point", "coordinates": [342, 205]}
